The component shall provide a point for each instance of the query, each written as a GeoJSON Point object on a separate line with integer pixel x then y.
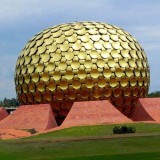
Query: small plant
{"type": "Point", "coordinates": [124, 129]}
{"type": "Point", "coordinates": [32, 131]}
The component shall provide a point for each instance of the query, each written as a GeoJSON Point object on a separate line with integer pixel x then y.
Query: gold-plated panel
{"type": "Point", "coordinates": [50, 67]}
{"type": "Point", "coordinates": [111, 63]}
{"type": "Point", "coordinates": [45, 77]}
{"type": "Point", "coordinates": [89, 83]}
{"type": "Point", "coordinates": [107, 73]}
{"type": "Point", "coordinates": [62, 66]}
{"type": "Point", "coordinates": [101, 63]}
{"type": "Point", "coordinates": [35, 77]}
{"type": "Point", "coordinates": [63, 85]}
{"type": "Point", "coordinates": [82, 61]}
{"type": "Point", "coordinates": [119, 72]}
{"type": "Point", "coordinates": [45, 57]}
{"type": "Point", "coordinates": [32, 87]}
{"type": "Point", "coordinates": [94, 73]}
{"type": "Point", "coordinates": [76, 84]}
{"type": "Point", "coordinates": [76, 46]}
{"type": "Point", "coordinates": [52, 48]}
{"type": "Point", "coordinates": [40, 67]}
{"type": "Point", "coordinates": [69, 55]}
{"type": "Point", "coordinates": [75, 65]}
{"type": "Point", "coordinates": [82, 55]}
{"type": "Point", "coordinates": [64, 47]}
{"type": "Point", "coordinates": [41, 86]}
{"type": "Point", "coordinates": [51, 86]}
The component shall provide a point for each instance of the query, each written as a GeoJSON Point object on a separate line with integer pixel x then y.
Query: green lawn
{"type": "Point", "coordinates": [51, 146]}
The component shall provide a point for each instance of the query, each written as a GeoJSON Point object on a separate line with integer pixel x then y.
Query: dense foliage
{"type": "Point", "coordinates": [124, 129]}
{"type": "Point", "coordinates": [9, 102]}
{"type": "Point", "coordinates": [154, 94]}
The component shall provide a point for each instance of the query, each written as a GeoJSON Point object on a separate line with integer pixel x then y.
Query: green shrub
{"type": "Point", "coordinates": [124, 129]}
{"type": "Point", "coordinates": [32, 131]}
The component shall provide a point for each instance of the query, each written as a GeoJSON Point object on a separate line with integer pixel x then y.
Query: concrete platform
{"type": "Point", "coordinates": [148, 109]}
{"type": "Point", "coordinates": [3, 113]}
{"type": "Point", "coordinates": [94, 113]}
{"type": "Point", "coordinates": [40, 117]}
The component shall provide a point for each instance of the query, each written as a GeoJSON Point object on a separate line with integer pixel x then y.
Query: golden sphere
{"type": "Point", "coordinates": [82, 61]}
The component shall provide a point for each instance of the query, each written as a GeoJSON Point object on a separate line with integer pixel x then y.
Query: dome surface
{"type": "Point", "coordinates": [82, 61]}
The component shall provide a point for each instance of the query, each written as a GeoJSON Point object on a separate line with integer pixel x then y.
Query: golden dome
{"type": "Point", "coordinates": [82, 61]}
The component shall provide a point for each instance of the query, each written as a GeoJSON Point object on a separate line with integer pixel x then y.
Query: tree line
{"type": "Point", "coordinates": [13, 102]}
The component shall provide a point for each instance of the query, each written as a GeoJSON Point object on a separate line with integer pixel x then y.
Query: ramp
{"type": "Point", "coordinates": [148, 109]}
{"type": "Point", "coordinates": [94, 113]}
{"type": "Point", "coordinates": [3, 113]}
{"type": "Point", "coordinates": [39, 117]}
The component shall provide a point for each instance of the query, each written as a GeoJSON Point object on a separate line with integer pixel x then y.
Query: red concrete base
{"type": "Point", "coordinates": [13, 134]}
{"type": "Point", "coordinates": [94, 113]}
{"type": "Point", "coordinates": [148, 109]}
{"type": "Point", "coordinates": [3, 113]}
{"type": "Point", "coordinates": [40, 117]}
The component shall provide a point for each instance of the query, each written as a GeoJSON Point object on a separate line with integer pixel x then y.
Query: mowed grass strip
{"type": "Point", "coordinates": [97, 130]}
{"type": "Point", "coordinates": [44, 147]}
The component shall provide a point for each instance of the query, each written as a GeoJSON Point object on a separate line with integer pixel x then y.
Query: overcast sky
{"type": "Point", "coordinates": [22, 19]}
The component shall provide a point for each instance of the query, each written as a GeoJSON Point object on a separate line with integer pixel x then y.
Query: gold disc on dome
{"type": "Point", "coordinates": [122, 63]}
{"type": "Point", "coordinates": [35, 77]}
{"type": "Point", "coordinates": [107, 92]}
{"type": "Point", "coordinates": [64, 47]}
{"type": "Point", "coordinates": [32, 87]}
{"type": "Point", "coordinates": [89, 83]}
{"type": "Point", "coordinates": [105, 54]}
{"type": "Point", "coordinates": [51, 86]}
{"type": "Point", "coordinates": [69, 55]}
{"type": "Point", "coordinates": [124, 82]}
{"type": "Point", "coordinates": [63, 85]}
{"type": "Point", "coordinates": [69, 75]}
{"type": "Point", "coordinates": [50, 67]}
{"type": "Point", "coordinates": [35, 59]}
{"type": "Point", "coordinates": [101, 63]}
{"type": "Point", "coordinates": [117, 92]}
{"type": "Point", "coordinates": [75, 64]}
{"type": "Point", "coordinates": [111, 63]}
{"type": "Point", "coordinates": [107, 73]}
{"type": "Point", "coordinates": [119, 72]}
{"type": "Point", "coordinates": [82, 55]}
{"type": "Point", "coordinates": [52, 48]}
{"type": "Point", "coordinates": [115, 53]}
{"type": "Point", "coordinates": [88, 64]}
{"type": "Point", "coordinates": [101, 83]}
{"type": "Point", "coordinates": [31, 68]}
{"type": "Point", "coordinates": [71, 95]}
{"type": "Point", "coordinates": [76, 84]}
{"type": "Point", "coordinates": [45, 57]}
{"type": "Point", "coordinates": [94, 54]}
{"type": "Point", "coordinates": [41, 86]}
{"type": "Point", "coordinates": [62, 66]}
{"type": "Point", "coordinates": [127, 92]}
{"type": "Point", "coordinates": [85, 38]}
{"type": "Point", "coordinates": [81, 74]}
{"type": "Point", "coordinates": [41, 49]}
{"type": "Point", "coordinates": [40, 67]}
{"type": "Point", "coordinates": [45, 77]}
{"type": "Point", "coordinates": [76, 46]}
{"type": "Point", "coordinates": [94, 73]}
{"type": "Point", "coordinates": [88, 45]}
{"type": "Point", "coordinates": [113, 82]}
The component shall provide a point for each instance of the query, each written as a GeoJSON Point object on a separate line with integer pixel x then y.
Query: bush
{"type": "Point", "coordinates": [124, 129]}
{"type": "Point", "coordinates": [32, 131]}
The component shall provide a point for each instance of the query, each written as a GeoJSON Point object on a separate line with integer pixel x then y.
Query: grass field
{"type": "Point", "coordinates": [85, 143]}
